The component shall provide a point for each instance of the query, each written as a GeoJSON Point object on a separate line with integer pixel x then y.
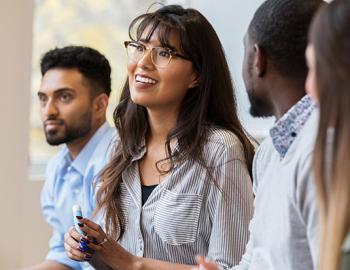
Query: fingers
{"type": "Point", "coordinates": [95, 246]}
{"type": "Point", "coordinates": [93, 231]}
{"type": "Point", "coordinates": [91, 224]}
{"type": "Point", "coordinates": [206, 265]}
{"type": "Point", "coordinates": [71, 246]}
{"type": "Point", "coordinates": [73, 233]}
{"type": "Point", "coordinates": [94, 238]}
{"type": "Point", "coordinates": [75, 254]}
{"type": "Point", "coordinates": [200, 259]}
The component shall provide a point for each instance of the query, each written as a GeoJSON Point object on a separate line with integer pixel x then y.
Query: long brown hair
{"type": "Point", "coordinates": [212, 103]}
{"type": "Point", "coordinates": [330, 37]}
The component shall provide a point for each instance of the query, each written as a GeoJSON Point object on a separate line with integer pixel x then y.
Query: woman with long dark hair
{"type": "Point", "coordinates": [328, 56]}
{"type": "Point", "coordinates": [179, 183]}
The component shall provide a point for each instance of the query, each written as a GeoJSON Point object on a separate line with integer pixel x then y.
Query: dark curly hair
{"type": "Point", "coordinates": [91, 64]}
{"type": "Point", "coordinates": [281, 28]}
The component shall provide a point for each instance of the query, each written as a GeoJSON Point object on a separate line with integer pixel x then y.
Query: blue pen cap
{"type": "Point", "coordinates": [77, 212]}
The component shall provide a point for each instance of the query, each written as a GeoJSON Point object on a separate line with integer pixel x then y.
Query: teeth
{"type": "Point", "coordinates": [144, 79]}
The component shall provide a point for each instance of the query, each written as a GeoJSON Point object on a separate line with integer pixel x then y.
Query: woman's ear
{"type": "Point", "coordinates": [194, 82]}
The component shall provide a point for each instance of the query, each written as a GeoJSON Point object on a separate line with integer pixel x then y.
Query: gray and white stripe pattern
{"type": "Point", "coordinates": [186, 214]}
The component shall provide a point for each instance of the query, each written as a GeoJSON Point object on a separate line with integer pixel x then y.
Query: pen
{"type": "Point", "coordinates": [77, 214]}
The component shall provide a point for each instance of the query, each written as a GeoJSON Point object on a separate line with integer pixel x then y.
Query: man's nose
{"type": "Point", "coordinates": [50, 109]}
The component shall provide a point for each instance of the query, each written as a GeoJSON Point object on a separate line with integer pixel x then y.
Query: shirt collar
{"type": "Point", "coordinates": [143, 150]}
{"type": "Point", "coordinates": [81, 161]}
{"type": "Point", "coordinates": [287, 128]}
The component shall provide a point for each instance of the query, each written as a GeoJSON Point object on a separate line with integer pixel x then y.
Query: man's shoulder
{"type": "Point", "coordinates": [265, 150]}
{"type": "Point", "coordinates": [102, 153]}
{"type": "Point", "coordinates": [262, 160]}
{"type": "Point", "coordinates": [106, 144]}
{"type": "Point", "coordinates": [56, 160]}
{"type": "Point", "coordinates": [109, 138]}
{"type": "Point", "coordinates": [52, 169]}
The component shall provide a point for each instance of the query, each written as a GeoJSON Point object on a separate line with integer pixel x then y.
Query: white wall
{"type": "Point", "coordinates": [15, 53]}
{"type": "Point", "coordinates": [20, 222]}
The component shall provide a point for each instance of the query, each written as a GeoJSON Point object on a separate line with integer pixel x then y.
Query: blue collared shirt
{"type": "Point", "coordinates": [69, 182]}
{"type": "Point", "coordinates": [287, 128]}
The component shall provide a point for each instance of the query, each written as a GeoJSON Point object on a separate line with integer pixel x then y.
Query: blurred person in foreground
{"type": "Point", "coordinates": [328, 56]}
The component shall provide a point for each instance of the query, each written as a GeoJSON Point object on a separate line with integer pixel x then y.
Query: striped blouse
{"type": "Point", "coordinates": [186, 214]}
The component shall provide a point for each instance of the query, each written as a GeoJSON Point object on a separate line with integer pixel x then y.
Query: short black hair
{"type": "Point", "coordinates": [89, 62]}
{"type": "Point", "coordinates": [281, 27]}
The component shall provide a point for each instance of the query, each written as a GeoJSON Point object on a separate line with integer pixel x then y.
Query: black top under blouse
{"type": "Point", "coordinates": [146, 191]}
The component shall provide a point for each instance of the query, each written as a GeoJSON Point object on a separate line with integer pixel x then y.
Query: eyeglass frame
{"type": "Point", "coordinates": [170, 51]}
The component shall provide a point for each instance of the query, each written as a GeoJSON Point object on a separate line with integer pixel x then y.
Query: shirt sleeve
{"type": "Point", "coordinates": [231, 207]}
{"type": "Point", "coordinates": [247, 257]}
{"type": "Point", "coordinates": [56, 252]}
{"type": "Point", "coordinates": [307, 204]}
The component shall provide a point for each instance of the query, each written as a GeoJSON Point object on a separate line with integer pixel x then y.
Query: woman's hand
{"type": "Point", "coordinates": [71, 245]}
{"type": "Point", "coordinates": [108, 250]}
{"type": "Point", "coordinates": [205, 265]}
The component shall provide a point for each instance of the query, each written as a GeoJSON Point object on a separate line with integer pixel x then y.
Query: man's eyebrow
{"type": "Point", "coordinates": [64, 89]}
{"type": "Point", "coordinates": [59, 90]}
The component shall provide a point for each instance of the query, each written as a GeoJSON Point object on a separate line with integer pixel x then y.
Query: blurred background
{"type": "Point", "coordinates": [29, 28]}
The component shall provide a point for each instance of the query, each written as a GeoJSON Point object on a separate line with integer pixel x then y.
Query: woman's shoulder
{"type": "Point", "coordinates": [223, 137]}
{"type": "Point", "coordinates": [222, 142]}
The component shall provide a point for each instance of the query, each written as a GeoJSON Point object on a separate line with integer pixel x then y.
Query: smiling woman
{"type": "Point", "coordinates": [178, 183]}
{"type": "Point", "coordinates": [167, 84]}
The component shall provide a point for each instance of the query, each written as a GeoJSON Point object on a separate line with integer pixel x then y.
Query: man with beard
{"type": "Point", "coordinates": [73, 97]}
{"type": "Point", "coordinates": [284, 229]}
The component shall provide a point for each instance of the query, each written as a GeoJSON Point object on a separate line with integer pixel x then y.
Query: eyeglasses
{"type": "Point", "coordinates": [160, 56]}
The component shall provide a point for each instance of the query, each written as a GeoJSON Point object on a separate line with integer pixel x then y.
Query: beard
{"type": "Point", "coordinates": [258, 108]}
{"type": "Point", "coordinates": [70, 133]}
